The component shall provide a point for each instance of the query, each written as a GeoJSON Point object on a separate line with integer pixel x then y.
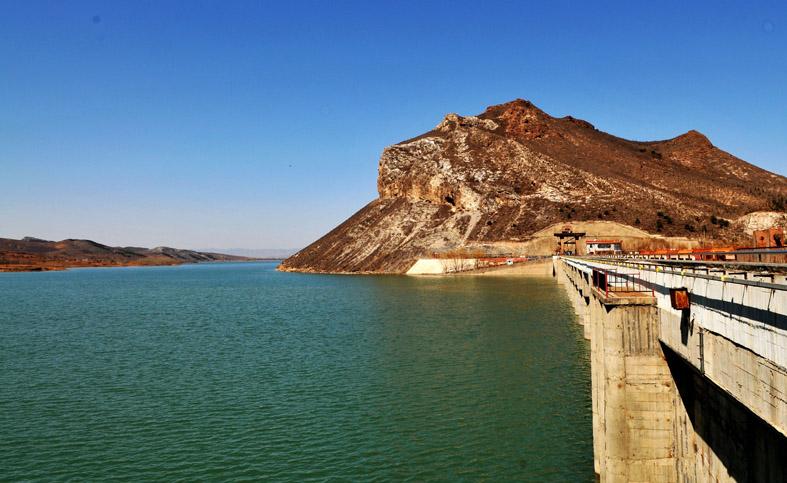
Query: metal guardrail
{"type": "Point", "coordinates": [740, 251]}
{"type": "Point", "coordinates": [650, 265]}
{"type": "Point", "coordinates": [715, 262]}
{"type": "Point", "coordinates": [730, 264]}
{"type": "Point", "coordinates": [612, 281]}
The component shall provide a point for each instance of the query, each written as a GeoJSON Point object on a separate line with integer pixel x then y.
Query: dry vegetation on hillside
{"type": "Point", "coordinates": [513, 170]}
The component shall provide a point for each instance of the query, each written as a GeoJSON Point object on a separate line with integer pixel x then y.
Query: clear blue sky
{"type": "Point", "coordinates": [260, 124]}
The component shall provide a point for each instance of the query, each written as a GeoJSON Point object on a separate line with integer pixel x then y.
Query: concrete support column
{"type": "Point", "coordinates": [633, 394]}
{"type": "Point", "coordinates": [597, 377]}
{"type": "Point", "coordinates": [671, 404]}
{"type": "Point", "coordinates": [576, 287]}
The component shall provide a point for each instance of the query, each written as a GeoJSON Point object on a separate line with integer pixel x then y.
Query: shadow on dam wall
{"type": "Point", "coordinates": [717, 436]}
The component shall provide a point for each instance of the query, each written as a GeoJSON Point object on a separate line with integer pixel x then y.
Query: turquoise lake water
{"type": "Point", "coordinates": [238, 372]}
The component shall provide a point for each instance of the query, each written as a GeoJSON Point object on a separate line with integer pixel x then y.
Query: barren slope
{"type": "Point", "coordinates": [36, 254]}
{"type": "Point", "coordinates": [514, 170]}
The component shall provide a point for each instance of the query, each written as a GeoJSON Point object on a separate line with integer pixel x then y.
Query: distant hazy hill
{"type": "Point", "coordinates": [269, 253]}
{"type": "Point", "coordinates": [513, 170]}
{"type": "Point", "coordinates": [32, 253]}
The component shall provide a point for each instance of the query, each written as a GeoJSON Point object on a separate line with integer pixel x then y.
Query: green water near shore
{"type": "Point", "coordinates": [238, 372]}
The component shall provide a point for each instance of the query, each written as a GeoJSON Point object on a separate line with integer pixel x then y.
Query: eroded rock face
{"type": "Point", "coordinates": [761, 220]}
{"type": "Point", "coordinates": [513, 170]}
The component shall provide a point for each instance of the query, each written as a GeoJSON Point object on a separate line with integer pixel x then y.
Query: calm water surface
{"type": "Point", "coordinates": [238, 372]}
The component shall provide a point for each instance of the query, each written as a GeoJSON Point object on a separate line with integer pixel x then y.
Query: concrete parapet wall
{"type": "Point", "coordinates": [757, 383]}
{"type": "Point", "coordinates": [674, 397]}
{"type": "Point", "coordinates": [752, 317]}
{"type": "Point", "coordinates": [736, 335]}
{"type": "Point", "coordinates": [717, 438]}
{"type": "Point", "coordinates": [438, 266]}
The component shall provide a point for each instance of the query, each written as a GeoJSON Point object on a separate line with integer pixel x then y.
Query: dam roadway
{"type": "Point", "coordinates": [684, 388]}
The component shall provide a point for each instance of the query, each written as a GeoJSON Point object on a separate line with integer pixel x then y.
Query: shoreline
{"type": "Point", "coordinates": [535, 268]}
{"type": "Point", "coordinates": [10, 268]}
{"type": "Point", "coordinates": [538, 268]}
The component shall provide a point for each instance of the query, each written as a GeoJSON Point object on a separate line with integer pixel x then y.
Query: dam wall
{"type": "Point", "coordinates": [475, 267]}
{"type": "Point", "coordinates": [681, 395]}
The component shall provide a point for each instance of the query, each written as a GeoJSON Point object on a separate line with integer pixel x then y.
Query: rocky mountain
{"type": "Point", "coordinates": [513, 170]}
{"type": "Point", "coordinates": [31, 253]}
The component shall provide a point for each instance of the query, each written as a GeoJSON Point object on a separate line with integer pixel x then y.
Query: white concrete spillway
{"type": "Point", "coordinates": [731, 340]}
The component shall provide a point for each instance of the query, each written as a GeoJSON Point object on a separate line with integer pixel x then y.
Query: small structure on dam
{"type": "Point", "coordinates": [604, 247]}
{"type": "Point", "coordinates": [567, 241]}
{"type": "Point", "coordinates": [688, 367]}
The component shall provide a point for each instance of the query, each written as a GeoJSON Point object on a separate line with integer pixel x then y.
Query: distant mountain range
{"type": "Point", "coordinates": [35, 254]}
{"type": "Point", "coordinates": [259, 253]}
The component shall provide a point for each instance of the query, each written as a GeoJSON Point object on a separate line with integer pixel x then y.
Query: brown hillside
{"type": "Point", "coordinates": [513, 170]}
{"type": "Point", "coordinates": [33, 254]}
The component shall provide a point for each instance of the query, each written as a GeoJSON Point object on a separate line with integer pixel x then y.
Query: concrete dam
{"type": "Point", "coordinates": [688, 367]}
